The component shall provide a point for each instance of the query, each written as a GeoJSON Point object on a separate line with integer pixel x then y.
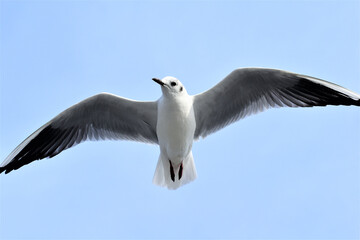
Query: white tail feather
{"type": "Point", "coordinates": [162, 176]}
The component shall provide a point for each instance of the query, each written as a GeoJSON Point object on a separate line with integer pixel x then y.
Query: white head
{"type": "Point", "coordinates": [171, 86]}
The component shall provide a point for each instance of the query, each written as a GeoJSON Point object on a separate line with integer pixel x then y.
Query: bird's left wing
{"type": "Point", "coordinates": [103, 116]}
{"type": "Point", "coordinates": [250, 90]}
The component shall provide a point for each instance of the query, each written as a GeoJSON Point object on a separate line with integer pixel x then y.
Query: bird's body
{"type": "Point", "coordinates": [176, 119]}
{"type": "Point", "coordinates": [175, 127]}
{"type": "Point", "coordinates": [175, 130]}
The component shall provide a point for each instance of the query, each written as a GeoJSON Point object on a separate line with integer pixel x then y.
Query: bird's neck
{"type": "Point", "coordinates": [177, 104]}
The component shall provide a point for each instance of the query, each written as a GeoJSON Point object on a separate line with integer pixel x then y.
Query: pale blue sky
{"type": "Point", "coordinates": [281, 174]}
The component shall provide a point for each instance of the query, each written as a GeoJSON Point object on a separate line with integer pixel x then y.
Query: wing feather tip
{"type": "Point", "coordinates": [5, 170]}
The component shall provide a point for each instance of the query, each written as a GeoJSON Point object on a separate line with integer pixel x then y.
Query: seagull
{"type": "Point", "coordinates": [176, 119]}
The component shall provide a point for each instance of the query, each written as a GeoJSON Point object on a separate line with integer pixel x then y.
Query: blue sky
{"type": "Point", "coordinates": [281, 174]}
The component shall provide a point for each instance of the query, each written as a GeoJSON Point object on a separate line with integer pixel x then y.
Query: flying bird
{"type": "Point", "coordinates": [176, 119]}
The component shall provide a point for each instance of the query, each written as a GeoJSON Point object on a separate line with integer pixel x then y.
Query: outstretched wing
{"type": "Point", "coordinates": [250, 90]}
{"type": "Point", "coordinates": [103, 116]}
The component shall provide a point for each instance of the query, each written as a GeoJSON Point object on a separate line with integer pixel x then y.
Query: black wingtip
{"type": "Point", "coordinates": [8, 168]}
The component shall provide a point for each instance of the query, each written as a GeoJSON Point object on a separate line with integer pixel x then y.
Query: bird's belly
{"type": "Point", "coordinates": [175, 135]}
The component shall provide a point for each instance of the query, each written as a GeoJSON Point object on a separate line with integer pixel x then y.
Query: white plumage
{"type": "Point", "coordinates": [176, 119]}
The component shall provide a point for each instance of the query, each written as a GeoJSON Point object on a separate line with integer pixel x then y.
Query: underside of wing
{"type": "Point", "coordinates": [250, 90]}
{"type": "Point", "coordinates": [103, 116]}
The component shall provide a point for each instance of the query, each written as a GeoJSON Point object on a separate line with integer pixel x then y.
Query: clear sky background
{"type": "Point", "coordinates": [281, 174]}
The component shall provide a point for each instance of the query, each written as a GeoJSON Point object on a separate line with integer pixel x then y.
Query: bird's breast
{"type": "Point", "coordinates": [175, 129]}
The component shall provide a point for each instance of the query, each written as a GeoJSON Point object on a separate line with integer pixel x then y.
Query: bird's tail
{"type": "Point", "coordinates": [162, 176]}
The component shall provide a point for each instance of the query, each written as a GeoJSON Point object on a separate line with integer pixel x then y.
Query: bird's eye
{"type": "Point", "coordinates": [173, 84]}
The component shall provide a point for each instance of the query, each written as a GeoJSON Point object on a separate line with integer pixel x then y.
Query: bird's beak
{"type": "Point", "coordinates": [158, 81]}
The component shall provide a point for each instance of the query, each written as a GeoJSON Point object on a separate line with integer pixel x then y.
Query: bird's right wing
{"type": "Point", "coordinates": [103, 116]}
{"type": "Point", "coordinates": [250, 90]}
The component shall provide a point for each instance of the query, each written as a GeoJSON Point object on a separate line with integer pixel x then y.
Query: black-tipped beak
{"type": "Point", "coordinates": [158, 81]}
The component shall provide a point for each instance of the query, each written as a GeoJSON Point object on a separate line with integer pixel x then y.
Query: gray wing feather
{"type": "Point", "coordinates": [103, 116]}
{"type": "Point", "coordinates": [250, 90]}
